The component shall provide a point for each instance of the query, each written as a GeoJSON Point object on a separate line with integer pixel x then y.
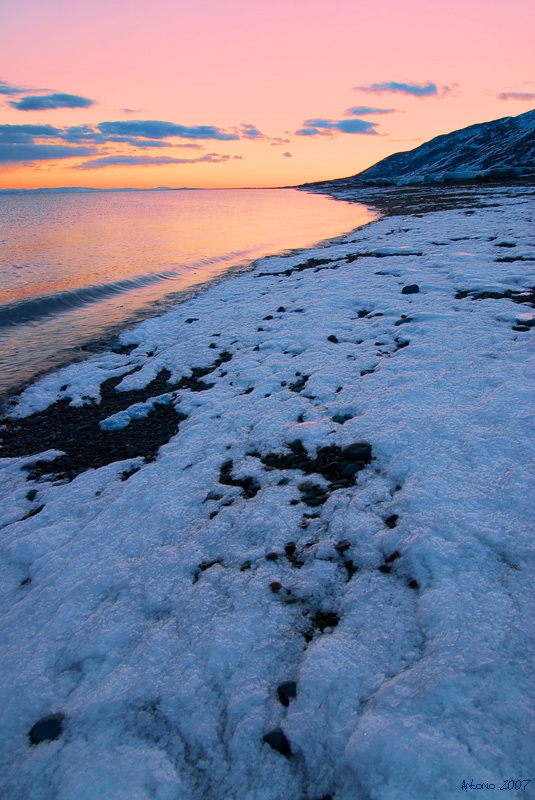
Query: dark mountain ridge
{"type": "Point", "coordinates": [502, 149]}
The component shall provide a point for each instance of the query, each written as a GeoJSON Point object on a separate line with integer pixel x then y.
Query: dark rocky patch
{"type": "Point", "coordinates": [521, 328]}
{"type": "Point", "coordinates": [325, 619]}
{"type": "Point", "coordinates": [31, 495]}
{"type": "Point", "coordinates": [517, 296]}
{"type": "Point", "coordinates": [400, 344]}
{"type": "Point", "coordinates": [47, 729]}
{"type": "Point", "coordinates": [249, 484]}
{"type": "Point", "coordinates": [299, 385]}
{"type": "Point", "coordinates": [25, 582]}
{"type": "Point", "coordinates": [127, 473]}
{"type": "Point", "coordinates": [192, 319]}
{"type": "Point", "coordinates": [287, 691]}
{"type": "Point", "coordinates": [272, 556]}
{"type": "Point", "coordinates": [275, 587]}
{"type": "Point", "coordinates": [413, 584]}
{"type": "Point", "coordinates": [76, 430]}
{"type": "Point", "coordinates": [510, 259]}
{"type": "Point", "coordinates": [123, 350]}
{"type": "Point", "coordinates": [404, 319]}
{"type": "Point", "coordinates": [505, 244]}
{"type": "Point", "coordinates": [338, 466]}
{"type": "Point", "coordinates": [354, 256]}
{"type": "Point", "coordinates": [332, 338]}
{"type": "Point", "coordinates": [278, 741]}
{"type": "Point", "coordinates": [411, 288]}
{"type": "Point", "coordinates": [280, 309]}
{"type": "Point", "coordinates": [33, 512]}
{"type": "Point", "coordinates": [204, 565]}
{"type": "Point", "coordinates": [391, 521]}
{"type": "Point", "coordinates": [245, 566]}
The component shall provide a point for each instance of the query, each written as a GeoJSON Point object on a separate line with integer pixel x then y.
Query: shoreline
{"type": "Point", "coordinates": [314, 474]}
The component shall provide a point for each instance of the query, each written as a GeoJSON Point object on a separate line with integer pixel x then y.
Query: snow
{"type": "Point", "coordinates": [166, 670]}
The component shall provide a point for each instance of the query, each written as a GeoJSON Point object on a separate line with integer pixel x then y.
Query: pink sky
{"type": "Point", "coordinates": [271, 66]}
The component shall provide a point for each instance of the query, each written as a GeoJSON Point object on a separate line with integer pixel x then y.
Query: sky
{"type": "Point", "coordinates": [237, 93]}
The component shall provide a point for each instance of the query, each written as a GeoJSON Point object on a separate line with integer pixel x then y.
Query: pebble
{"type": "Point", "coordinates": [412, 288]}
{"type": "Point", "coordinates": [278, 741]}
{"type": "Point", "coordinates": [47, 729]}
{"type": "Point", "coordinates": [286, 692]}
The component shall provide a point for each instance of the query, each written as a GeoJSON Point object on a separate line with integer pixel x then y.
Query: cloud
{"type": "Point", "coordinates": [278, 141]}
{"type": "Point", "coordinates": [7, 88]}
{"type": "Point", "coordinates": [147, 161]}
{"type": "Point", "coordinates": [248, 131]}
{"type": "Point", "coordinates": [326, 127]}
{"type": "Point", "coordinates": [23, 153]}
{"type": "Point", "coordinates": [288, 155]}
{"type": "Point", "coordinates": [34, 102]}
{"type": "Point", "coordinates": [15, 134]}
{"type": "Point", "coordinates": [414, 89]}
{"type": "Point", "coordinates": [364, 111]}
{"type": "Point", "coordinates": [155, 129]}
{"type": "Point", "coordinates": [516, 96]}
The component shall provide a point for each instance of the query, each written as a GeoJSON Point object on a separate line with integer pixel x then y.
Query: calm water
{"type": "Point", "coordinates": [74, 268]}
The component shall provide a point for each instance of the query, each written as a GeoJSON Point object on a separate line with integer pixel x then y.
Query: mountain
{"type": "Point", "coordinates": [503, 148]}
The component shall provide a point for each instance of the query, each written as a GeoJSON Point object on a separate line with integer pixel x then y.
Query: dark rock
{"type": "Point", "coordinates": [290, 548]}
{"type": "Point", "coordinates": [312, 501]}
{"type": "Point", "coordinates": [332, 338]}
{"type": "Point", "coordinates": [269, 316]}
{"type": "Point", "coordinates": [391, 521]}
{"type": "Point", "coordinates": [412, 288]}
{"type": "Point", "coordinates": [385, 568]}
{"type": "Point", "coordinates": [287, 691]}
{"type": "Point", "coordinates": [402, 321]}
{"type": "Point", "coordinates": [213, 496]}
{"type": "Point", "coordinates": [350, 470]}
{"type": "Point", "coordinates": [297, 446]}
{"type": "Point", "coordinates": [305, 486]}
{"type": "Point", "coordinates": [272, 556]}
{"type": "Point", "coordinates": [393, 557]}
{"type": "Point", "coordinates": [33, 512]}
{"type": "Point", "coordinates": [47, 729]}
{"type": "Point", "coordinates": [283, 482]}
{"type": "Point", "coordinates": [342, 546]}
{"type": "Point", "coordinates": [325, 619]}
{"type": "Point", "coordinates": [31, 495]}
{"type": "Point", "coordinates": [278, 741]}
{"type": "Point", "coordinates": [280, 309]}
{"type": "Point", "coordinates": [275, 587]}
{"type": "Point", "coordinates": [192, 319]}
{"type": "Point", "coordinates": [521, 328]}
{"type": "Point", "coordinates": [414, 584]}
{"type": "Point", "coordinates": [359, 451]}
{"type": "Point", "coordinates": [294, 502]}
{"type": "Point", "coordinates": [245, 566]}
{"type": "Point", "coordinates": [339, 419]}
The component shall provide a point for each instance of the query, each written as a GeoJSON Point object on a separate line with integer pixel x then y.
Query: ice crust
{"type": "Point", "coordinates": [167, 672]}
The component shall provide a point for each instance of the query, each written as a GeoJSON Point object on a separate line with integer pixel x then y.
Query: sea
{"type": "Point", "coordinates": [76, 268]}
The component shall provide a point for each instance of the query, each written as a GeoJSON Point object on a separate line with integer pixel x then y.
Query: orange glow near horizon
{"type": "Point", "coordinates": [231, 64]}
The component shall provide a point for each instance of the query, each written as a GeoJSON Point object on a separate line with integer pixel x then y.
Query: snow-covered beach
{"type": "Point", "coordinates": [256, 612]}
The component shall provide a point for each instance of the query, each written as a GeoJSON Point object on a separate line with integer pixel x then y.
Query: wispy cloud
{"type": "Point", "coordinates": [146, 161]}
{"type": "Point", "coordinates": [327, 127]}
{"type": "Point", "coordinates": [278, 141]}
{"type": "Point", "coordinates": [34, 102]}
{"type": "Point", "coordinates": [25, 153]}
{"type": "Point", "coordinates": [428, 89]}
{"type": "Point", "coordinates": [288, 155]}
{"type": "Point", "coordinates": [364, 111]}
{"type": "Point", "coordinates": [156, 129]}
{"type": "Point", "coordinates": [516, 96]}
{"type": "Point", "coordinates": [8, 88]}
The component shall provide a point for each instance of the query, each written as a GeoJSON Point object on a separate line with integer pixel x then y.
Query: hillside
{"type": "Point", "coordinates": [500, 149]}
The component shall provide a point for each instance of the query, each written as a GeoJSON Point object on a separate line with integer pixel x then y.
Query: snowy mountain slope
{"type": "Point", "coordinates": [501, 148]}
{"type": "Point", "coordinates": [155, 607]}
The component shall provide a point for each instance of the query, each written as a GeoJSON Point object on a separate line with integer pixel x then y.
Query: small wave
{"type": "Point", "coordinates": [24, 311]}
